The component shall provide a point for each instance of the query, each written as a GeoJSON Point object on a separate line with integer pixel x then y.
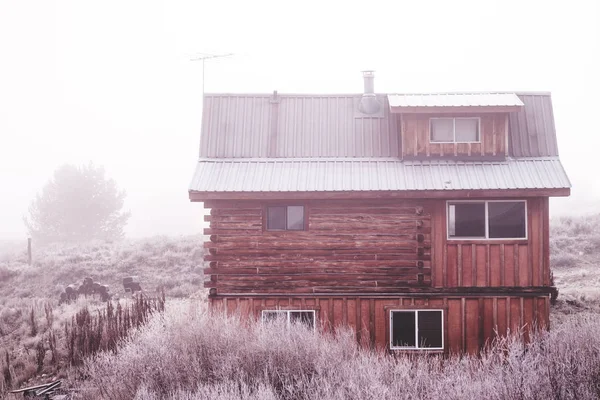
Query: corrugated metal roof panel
{"type": "Point", "coordinates": [531, 129]}
{"type": "Point", "coordinates": [454, 100]}
{"type": "Point", "coordinates": [316, 175]}
{"type": "Point", "coordinates": [303, 126]}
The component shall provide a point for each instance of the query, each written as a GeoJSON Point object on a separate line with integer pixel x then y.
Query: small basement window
{"type": "Point", "coordinates": [416, 329]}
{"type": "Point", "coordinates": [304, 317]}
{"type": "Point", "coordinates": [492, 219]}
{"type": "Point", "coordinates": [454, 130]}
{"type": "Point", "coordinates": [285, 218]}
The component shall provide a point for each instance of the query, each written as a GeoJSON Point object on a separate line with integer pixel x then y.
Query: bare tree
{"type": "Point", "coordinates": [77, 204]}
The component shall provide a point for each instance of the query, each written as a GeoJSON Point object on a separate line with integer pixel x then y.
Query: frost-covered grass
{"type": "Point", "coordinates": [188, 354]}
{"type": "Point", "coordinates": [29, 310]}
{"type": "Point", "coordinates": [575, 257]}
{"type": "Point", "coordinates": [173, 264]}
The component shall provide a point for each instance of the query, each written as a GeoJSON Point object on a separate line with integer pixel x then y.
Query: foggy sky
{"type": "Point", "coordinates": [112, 81]}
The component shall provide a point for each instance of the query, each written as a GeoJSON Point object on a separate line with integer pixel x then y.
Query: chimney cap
{"type": "Point", "coordinates": [368, 73]}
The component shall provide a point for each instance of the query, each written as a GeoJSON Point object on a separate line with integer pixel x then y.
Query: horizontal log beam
{"type": "Point", "coordinates": [394, 293]}
{"type": "Point", "coordinates": [377, 273]}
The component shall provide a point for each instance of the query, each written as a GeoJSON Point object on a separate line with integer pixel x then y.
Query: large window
{"type": "Point", "coordinates": [290, 317]}
{"type": "Point", "coordinates": [454, 130]}
{"type": "Point", "coordinates": [501, 219]}
{"type": "Point", "coordinates": [285, 218]}
{"type": "Point", "coordinates": [416, 329]}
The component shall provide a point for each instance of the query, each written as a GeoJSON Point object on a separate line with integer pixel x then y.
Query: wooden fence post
{"type": "Point", "coordinates": [29, 251]}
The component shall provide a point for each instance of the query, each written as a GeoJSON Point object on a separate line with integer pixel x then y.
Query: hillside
{"type": "Point", "coordinates": [171, 264]}
{"type": "Point", "coordinates": [575, 257]}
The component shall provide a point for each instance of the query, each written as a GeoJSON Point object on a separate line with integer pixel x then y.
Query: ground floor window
{"type": "Point", "coordinates": [416, 329]}
{"type": "Point", "coordinates": [304, 317]}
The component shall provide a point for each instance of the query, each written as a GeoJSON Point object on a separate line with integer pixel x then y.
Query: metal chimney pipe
{"type": "Point", "coordinates": [369, 78]}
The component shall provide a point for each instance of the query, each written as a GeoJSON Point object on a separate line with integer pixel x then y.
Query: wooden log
{"type": "Point", "coordinates": [321, 245]}
{"type": "Point", "coordinates": [382, 271]}
{"type": "Point", "coordinates": [320, 263]}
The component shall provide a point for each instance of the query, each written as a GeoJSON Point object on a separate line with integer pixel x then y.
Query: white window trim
{"type": "Point", "coordinates": [454, 130]}
{"type": "Point", "coordinates": [487, 220]}
{"type": "Point", "coordinates": [288, 319]}
{"type": "Point", "coordinates": [416, 348]}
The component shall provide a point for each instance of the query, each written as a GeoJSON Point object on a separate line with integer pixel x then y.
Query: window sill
{"type": "Point", "coordinates": [487, 241]}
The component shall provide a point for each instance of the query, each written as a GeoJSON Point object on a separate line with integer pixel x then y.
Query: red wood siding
{"type": "Point", "coordinates": [416, 137]}
{"type": "Point", "coordinates": [376, 246]}
{"type": "Point", "coordinates": [469, 322]}
{"type": "Point", "coordinates": [493, 263]}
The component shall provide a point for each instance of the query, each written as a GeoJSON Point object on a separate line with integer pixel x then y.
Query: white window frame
{"type": "Point", "coordinates": [417, 344]}
{"type": "Point", "coordinates": [288, 312]}
{"type": "Point", "coordinates": [454, 130]}
{"type": "Point", "coordinates": [487, 219]}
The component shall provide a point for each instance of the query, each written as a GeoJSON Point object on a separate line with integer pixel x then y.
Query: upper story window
{"type": "Point", "coordinates": [454, 130]}
{"type": "Point", "coordinates": [285, 218]}
{"type": "Point", "coordinates": [491, 219]}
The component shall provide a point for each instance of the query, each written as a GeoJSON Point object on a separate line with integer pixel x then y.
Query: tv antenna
{"type": "Point", "coordinates": [205, 56]}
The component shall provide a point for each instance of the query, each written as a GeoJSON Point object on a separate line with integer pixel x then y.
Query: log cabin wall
{"type": "Point", "coordinates": [469, 322]}
{"type": "Point", "coordinates": [376, 246]}
{"type": "Point", "coordinates": [416, 143]}
{"type": "Point", "coordinates": [494, 263]}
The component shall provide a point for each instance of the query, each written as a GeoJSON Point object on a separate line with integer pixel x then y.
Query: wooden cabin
{"type": "Point", "coordinates": [419, 220]}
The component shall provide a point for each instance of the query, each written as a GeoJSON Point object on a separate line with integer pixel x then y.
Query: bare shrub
{"type": "Point", "coordinates": [89, 333]}
{"type": "Point", "coordinates": [190, 353]}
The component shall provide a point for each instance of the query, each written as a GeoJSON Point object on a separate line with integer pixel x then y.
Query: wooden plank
{"type": "Point", "coordinates": [545, 248]}
{"type": "Point", "coordinates": [467, 265]}
{"type": "Point", "coordinates": [454, 326]}
{"type": "Point", "coordinates": [481, 275]}
{"type": "Point", "coordinates": [452, 271]}
{"type": "Point", "coordinates": [502, 316]}
{"type": "Point", "coordinates": [322, 262]}
{"type": "Point", "coordinates": [459, 265]}
{"type": "Point", "coordinates": [524, 266]}
{"type": "Point", "coordinates": [494, 262]}
{"type": "Point", "coordinates": [488, 324]}
{"type": "Point", "coordinates": [472, 326]}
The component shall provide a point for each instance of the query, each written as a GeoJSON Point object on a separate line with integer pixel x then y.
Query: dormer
{"type": "Point", "coordinates": [462, 126]}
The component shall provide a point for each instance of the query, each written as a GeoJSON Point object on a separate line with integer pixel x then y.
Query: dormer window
{"type": "Point", "coordinates": [454, 130]}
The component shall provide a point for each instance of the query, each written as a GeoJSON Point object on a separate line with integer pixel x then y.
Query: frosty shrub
{"type": "Point", "coordinates": [187, 353]}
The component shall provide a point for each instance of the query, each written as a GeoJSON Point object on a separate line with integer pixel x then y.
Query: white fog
{"type": "Point", "coordinates": [112, 82]}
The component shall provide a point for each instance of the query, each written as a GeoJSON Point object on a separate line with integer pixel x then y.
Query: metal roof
{"type": "Point", "coordinates": [455, 100]}
{"type": "Point", "coordinates": [295, 126]}
{"type": "Point", "coordinates": [311, 126]}
{"type": "Point", "coordinates": [372, 174]}
{"type": "Point", "coordinates": [531, 129]}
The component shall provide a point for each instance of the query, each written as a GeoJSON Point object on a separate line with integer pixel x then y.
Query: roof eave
{"type": "Point", "coordinates": [453, 110]}
{"type": "Point", "coordinates": [197, 196]}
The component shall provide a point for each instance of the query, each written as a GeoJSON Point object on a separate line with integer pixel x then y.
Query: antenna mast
{"type": "Point", "coordinates": [203, 57]}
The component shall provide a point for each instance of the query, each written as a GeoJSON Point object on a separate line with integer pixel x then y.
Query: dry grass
{"type": "Point", "coordinates": [29, 312]}
{"type": "Point", "coordinates": [187, 353]}
{"type": "Point", "coordinates": [575, 258]}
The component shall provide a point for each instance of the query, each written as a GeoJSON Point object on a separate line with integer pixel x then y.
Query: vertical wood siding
{"type": "Point", "coordinates": [469, 323]}
{"type": "Point", "coordinates": [494, 263]}
{"type": "Point", "coordinates": [416, 138]}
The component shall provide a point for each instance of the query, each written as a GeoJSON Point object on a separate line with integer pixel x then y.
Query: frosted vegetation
{"type": "Point", "coordinates": [187, 353]}
{"type": "Point", "coordinates": [184, 353]}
